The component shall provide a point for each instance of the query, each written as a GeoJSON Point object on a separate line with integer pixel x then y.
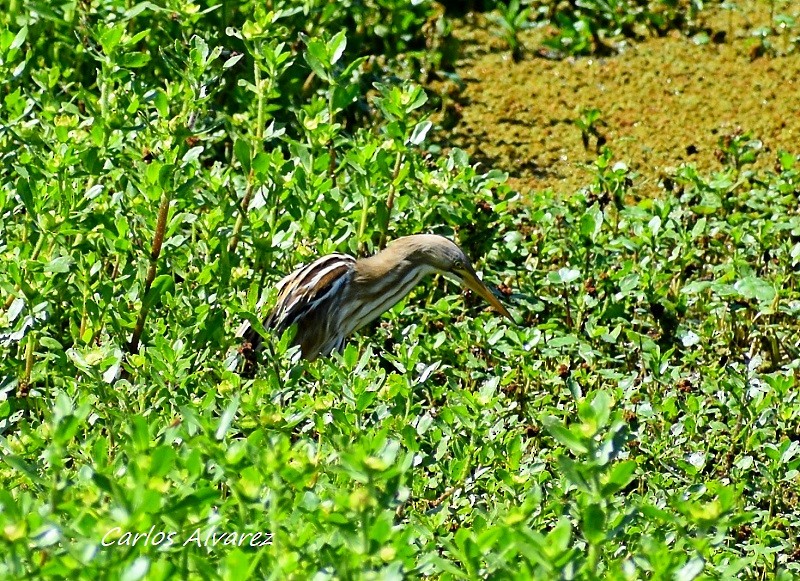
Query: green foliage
{"type": "Point", "coordinates": [586, 27]}
{"type": "Point", "coordinates": [738, 149]}
{"type": "Point", "coordinates": [512, 18]}
{"type": "Point", "coordinates": [591, 26]}
{"type": "Point", "coordinates": [588, 122]}
{"type": "Point", "coordinates": [779, 36]}
{"type": "Point", "coordinates": [164, 165]}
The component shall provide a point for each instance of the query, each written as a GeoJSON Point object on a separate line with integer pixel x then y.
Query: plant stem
{"type": "Point", "coordinates": [256, 146]}
{"type": "Point", "coordinates": [568, 313]}
{"type": "Point", "coordinates": [34, 255]}
{"type": "Point", "coordinates": [237, 228]}
{"type": "Point", "coordinates": [390, 198]}
{"type": "Point", "coordinates": [26, 378]}
{"type": "Point", "coordinates": [158, 239]}
{"type": "Point", "coordinates": [362, 226]}
{"type": "Point", "coordinates": [331, 146]}
{"type": "Point", "coordinates": [332, 163]}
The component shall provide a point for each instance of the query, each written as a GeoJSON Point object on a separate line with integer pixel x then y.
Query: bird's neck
{"type": "Point", "coordinates": [380, 282]}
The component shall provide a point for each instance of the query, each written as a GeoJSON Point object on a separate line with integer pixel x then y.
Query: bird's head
{"type": "Point", "coordinates": [447, 259]}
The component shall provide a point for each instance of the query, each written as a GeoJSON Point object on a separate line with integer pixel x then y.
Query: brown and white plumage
{"type": "Point", "coordinates": [337, 294]}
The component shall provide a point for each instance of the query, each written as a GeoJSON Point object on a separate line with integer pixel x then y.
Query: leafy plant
{"type": "Point", "coordinates": [512, 17]}
{"type": "Point", "coordinates": [588, 123]}
{"type": "Point", "coordinates": [591, 26]}
{"type": "Point", "coordinates": [738, 149]}
{"type": "Point", "coordinates": [162, 172]}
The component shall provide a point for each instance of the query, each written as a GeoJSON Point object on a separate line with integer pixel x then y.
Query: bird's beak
{"type": "Point", "coordinates": [472, 282]}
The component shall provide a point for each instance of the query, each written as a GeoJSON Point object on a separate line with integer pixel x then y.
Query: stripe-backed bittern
{"type": "Point", "coordinates": [337, 294]}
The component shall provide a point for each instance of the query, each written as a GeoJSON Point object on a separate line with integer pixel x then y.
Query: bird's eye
{"type": "Point", "coordinates": [458, 265]}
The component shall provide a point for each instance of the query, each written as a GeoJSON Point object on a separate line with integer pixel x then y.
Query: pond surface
{"type": "Point", "coordinates": [663, 102]}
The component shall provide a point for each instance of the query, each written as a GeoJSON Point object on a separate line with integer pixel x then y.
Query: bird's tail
{"type": "Point", "coordinates": [251, 344]}
{"type": "Point", "coordinates": [247, 335]}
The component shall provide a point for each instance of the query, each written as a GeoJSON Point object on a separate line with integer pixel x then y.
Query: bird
{"type": "Point", "coordinates": [337, 294]}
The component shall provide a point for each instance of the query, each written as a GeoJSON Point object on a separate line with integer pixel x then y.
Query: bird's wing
{"type": "Point", "coordinates": [308, 287]}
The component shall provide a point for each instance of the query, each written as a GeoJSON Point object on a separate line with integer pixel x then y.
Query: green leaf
{"type": "Point", "coordinates": [365, 399]}
{"type": "Point", "coordinates": [161, 460]}
{"type": "Point", "coordinates": [133, 60]}
{"type": "Point", "coordinates": [162, 284]}
{"type": "Point", "coordinates": [419, 132]}
{"type": "Point", "coordinates": [193, 154]}
{"type": "Point", "coordinates": [19, 39]}
{"type": "Point", "coordinates": [336, 46]}
{"type": "Point", "coordinates": [601, 406]}
{"type": "Point", "coordinates": [445, 566]}
{"type": "Point", "coordinates": [15, 309]}
{"type": "Point", "coordinates": [137, 9]}
{"type": "Point", "coordinates": [237, 565]}
{"type": "Point", "coordinates": [656, 513]}
{"type": "Point", "coordinates": [165, 174]}
{"type": "Point", "coordinates": [558, 539]}
{"type": "Point", "coordinates": [591, 222]}
{"type": "Point", "coordinates": [691, 570]}
{"type": "Point", "coordinates": [564, 436]}
{"type": "Point", "coordinates": [161, 103]}
{"type": "Point", "coordinates": [752, 287]}
{"type": "Point", "coordinates": [261, 164]}
{"type": "Point", "coordinates": [138, 36]}
{"type": "Point", "coordinates": [242, 152]}
{"type": "Point", "coordinates": [18, 464]}
{"type": "Point", "coordinates": [61, 264]}
{"type": "Point", "coordinates": [66, 429]}
{"type": "Point", "coordinates": [564, 275]}
{"type": "Point", "coordinates": [573, 472]}
{"type": "Point", "coordinates": [26, 195]}
{"type": "Point", "coordinates": [109, 39]}
{"type": "Point", "coordinates": [594, 524]}
{"type": "Point", "coordinates": [140, 433]}
{"type": "Point", "coordinates": [655, 225]}
{"type": "Point", "coordinates": [349, 69]}
{"type": "Point", "coordinates": [619, 477]}
{"type": "Point", "coordinates": [136, 570]}
{"type": "Point", "coordinates": [629, 283]}
{"type": "Point", "coordinates": [787, 160]}
{"type": "Point", "coordinates": [227, 418]}
{"type": "Point", "coordinates": [195, 501]}
{"type": "Point", "coordinates": [317, 58]}
{"type": "Point", "coordinates": [232, 61]}
{"type": "Point", "coordinates": [418, 98]}
{"type": "Point", "coordinates": [255, 323]}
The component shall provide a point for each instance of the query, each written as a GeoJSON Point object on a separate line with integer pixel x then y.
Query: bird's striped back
{"type": "Point", "coordinates": [309, 288]}
{"type": "Point", "coordinates": [305, 298]}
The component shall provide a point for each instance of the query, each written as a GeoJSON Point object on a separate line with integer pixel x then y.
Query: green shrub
{"type": "Point", "coordinates": [638, 422]}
